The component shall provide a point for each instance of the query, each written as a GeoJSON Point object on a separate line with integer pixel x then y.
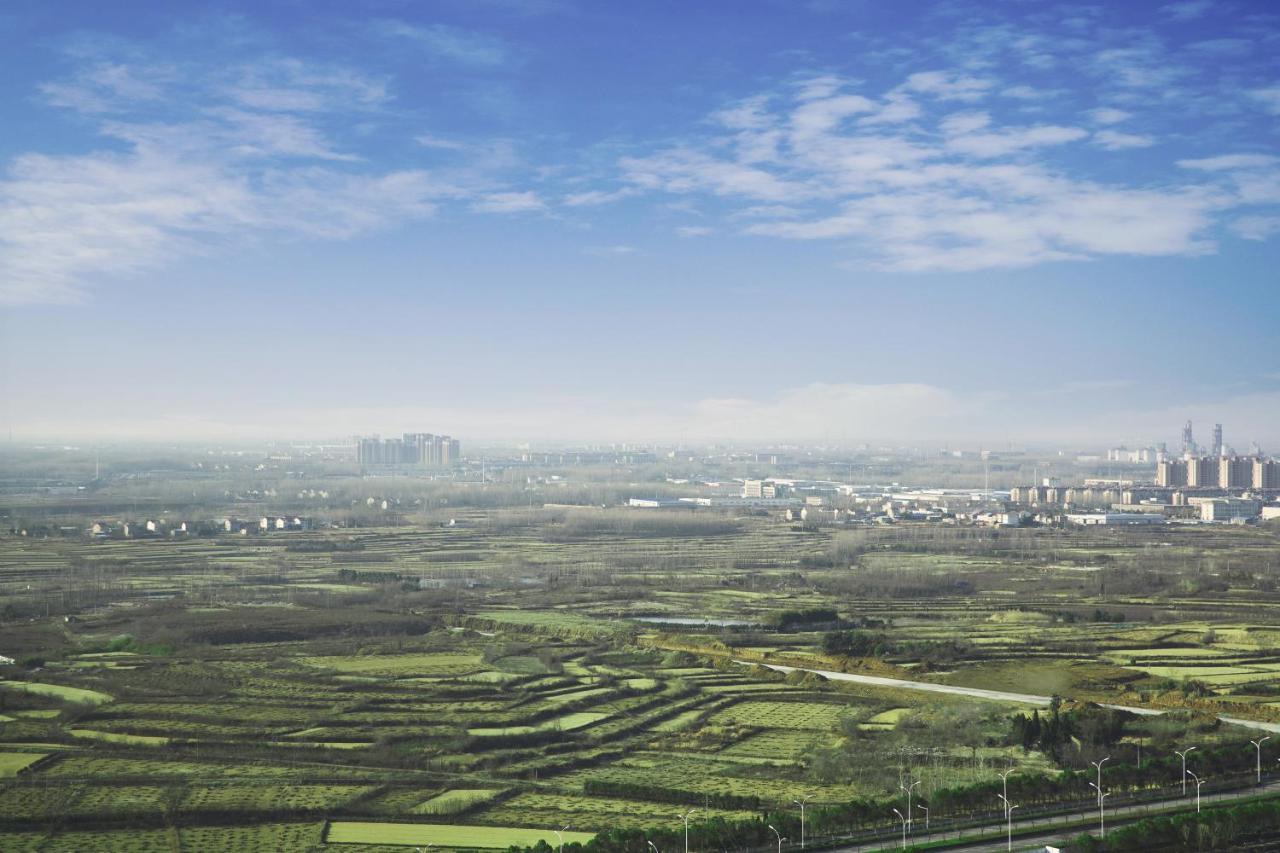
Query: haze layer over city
{"type": "Point", "coordinates": [595, 427]}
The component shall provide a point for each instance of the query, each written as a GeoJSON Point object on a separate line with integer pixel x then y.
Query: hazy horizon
{"type": "Point", "coordinates": [983, 224]}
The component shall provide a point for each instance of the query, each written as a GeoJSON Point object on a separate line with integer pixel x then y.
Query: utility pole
{"type": "Point", "coordinates": [1183, 753]}
{"type": "Point", "coordinates": [1258, 746]}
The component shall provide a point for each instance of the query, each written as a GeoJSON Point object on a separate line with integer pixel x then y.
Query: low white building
{"type": "Point", "coordinates": [1113, 519]}
{"type": "Point", "coordinates": [1229, 509]}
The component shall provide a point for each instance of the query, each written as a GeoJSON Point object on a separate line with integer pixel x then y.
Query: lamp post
{"type": "Point", "coordinates": [1008, 818]}
{"type": "Point", "coordinates": [1098, 764]}
{"type": "Point", "coordinates": [1102, 809]}
{"type": "Point", "coordinates": [904, 828]}
{"type": "Point", "coordinates": [908, 788]}
{"type": "Point", "coordinates": [1258, 746]}
{"type": "Point", "coordinates": [926, 817]}
{"type": "Point", "coordinates": [686, 829]}
{"type": "Point", "coordinates": [800, 803]}
{"type": "Point", "coordinates": [652, 846]}
{"type": "Point", "coordinates": [1183, 753]}
{"type": "Point", "coordinates": [560, 835]}
{"type": "Point", "coordinates": [778, 835]}
{"type": "Point", "coordinates": [1199, 782]}
{"type": "Point", "coordinates": [1004, 778]}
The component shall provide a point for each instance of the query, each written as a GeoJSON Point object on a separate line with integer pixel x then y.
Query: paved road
{"type": "Point", "coordinates": [978, 693]}
{"type": "Point", "coordinates": [1116, 816]}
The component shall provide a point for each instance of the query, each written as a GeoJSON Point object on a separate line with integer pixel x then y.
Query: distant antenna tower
{"type": "Point", "coordinates": [1188, 440]}
{"type": "Point", "coordinates": [1217, 440]}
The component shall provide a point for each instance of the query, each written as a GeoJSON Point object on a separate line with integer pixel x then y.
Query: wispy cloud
{"type": "Point", "coordinates": [694, 231]}
{"type": "Point", "coordinates": [199, 157]}
{"type": "Point", "coordinates": [966, 193]}
{"type": "Point", "coordinates": [590, 198]}
{"type": "Point", "coordinates": [1188, 10]}
{"type": "Point", "coordinates": [1269, 97]}
{"type": "Point", "coordinates": [1114, 140]}
{"type": "Point", "coordinates": [446, 42]}
{"type": "Point", "coordinates": [509, 202]}
{"type": "Point", "coordinates": [1109, 115]}
{"type": "Point", "coordinates": [610, 251]}
{"type": "Point", "coordinates": [1256, 227]}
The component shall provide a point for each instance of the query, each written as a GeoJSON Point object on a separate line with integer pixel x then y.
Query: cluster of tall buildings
{"type": "Point", "coordinates": [1216, 467]}
{"type": "Point", "coordinates": [1219, 472]}
{"type": "Point", "coordinates": [414, 448]}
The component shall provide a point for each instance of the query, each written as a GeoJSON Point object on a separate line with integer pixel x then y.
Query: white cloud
{"type": "Point", "coordinates": [1022, 93]}
{"type": "Point", "coordinates": [593, 197]}
{"type": "Point", "coordinates": [1187, 10]}
{"type": "Point", "coordinates": [65, 219]}
{"type": "Point", "coordinates": [694, 231]}
{"type": "Point", "coordinates": [959, 123]}
{"type": "Point", "coordinates": [1269, 97]}
{"type": "Point", "coordinates": [686, 171]}
{"type": "Point", "coordinates": [896, 109]}
{"type": "Point", "coordinates": [1109, 115]}
{"type": "Point", "coordinates": [200, 158]}
{"type": "Point", "coordinates": [1115, 141]}
{"type": "Point", "coordinates": [948, 191]}
{"type": "Point", "coordinates": [947, 86]}
{"type": "Point", "coordinates": [1230, 162]}
{"type": "Point", "coordinates": [508, 202]}
{"type": "Point", "coordinates": [427, 140]}
{"type": "Point", "coordinates": [447, 42]}
{"type": "Point", "coordinates": [610, 251]}
{"type": "Point", "coordinates": [1011, 139]}
{"type": "Point", "coordinates": [1256, 227]}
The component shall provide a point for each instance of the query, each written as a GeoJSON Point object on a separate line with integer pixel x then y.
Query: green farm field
{"type": "Point", "coordinates": [481, 676]}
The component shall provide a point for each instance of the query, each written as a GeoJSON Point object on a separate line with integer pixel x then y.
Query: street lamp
{"type": "Point", "coordinates": [1199, 782]}
{"type": "Point", "coordinates": [926, 817]}
{"type": "Point", "coordinates": [560, 835]}
{"type": "Point", "coordinates": [799, 803]}
{"type": "Point", "coordinates": [1258, 745]}
{"type": "Point", "coordinates": [779, 837]}
{"type": "Point", "coordinates": [1183, 753]}
{"type": "Point", "coordinates": [904, 828]}
{"type": "Point", "coordinates": [652, 846]}
{"type": "Point", "coordinates": [1009, 819]}
{"type": "Point", "coordinates": [1102, 806]}
{"type": "Point", "coordinates": [686, 829]}
{"type": "Point", "coordinates": [1098, 764]}
{"type": "Point", "coordinates": [908, 788]}
{"type": "Point", "coordinates": [1004, 778]}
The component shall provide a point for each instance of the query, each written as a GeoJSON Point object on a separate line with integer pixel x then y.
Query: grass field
{"type": "Point", "coordinates": [484, 674]}
{"type": "Point", "coordinates": [12, 763]}
{"type": "Point", "coordinates": [455, 800]}
{"type": "Point", "coordinates": [443, 835]}
{"type": "Point", "coordinates": [78, 695]}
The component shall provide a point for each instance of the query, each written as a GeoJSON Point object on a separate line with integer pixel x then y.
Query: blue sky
{"type": "Point", "coordinates": [826, 221]}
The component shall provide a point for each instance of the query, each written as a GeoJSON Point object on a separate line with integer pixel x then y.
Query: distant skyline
{"type": "Point", "coordinates": [835, 222]}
